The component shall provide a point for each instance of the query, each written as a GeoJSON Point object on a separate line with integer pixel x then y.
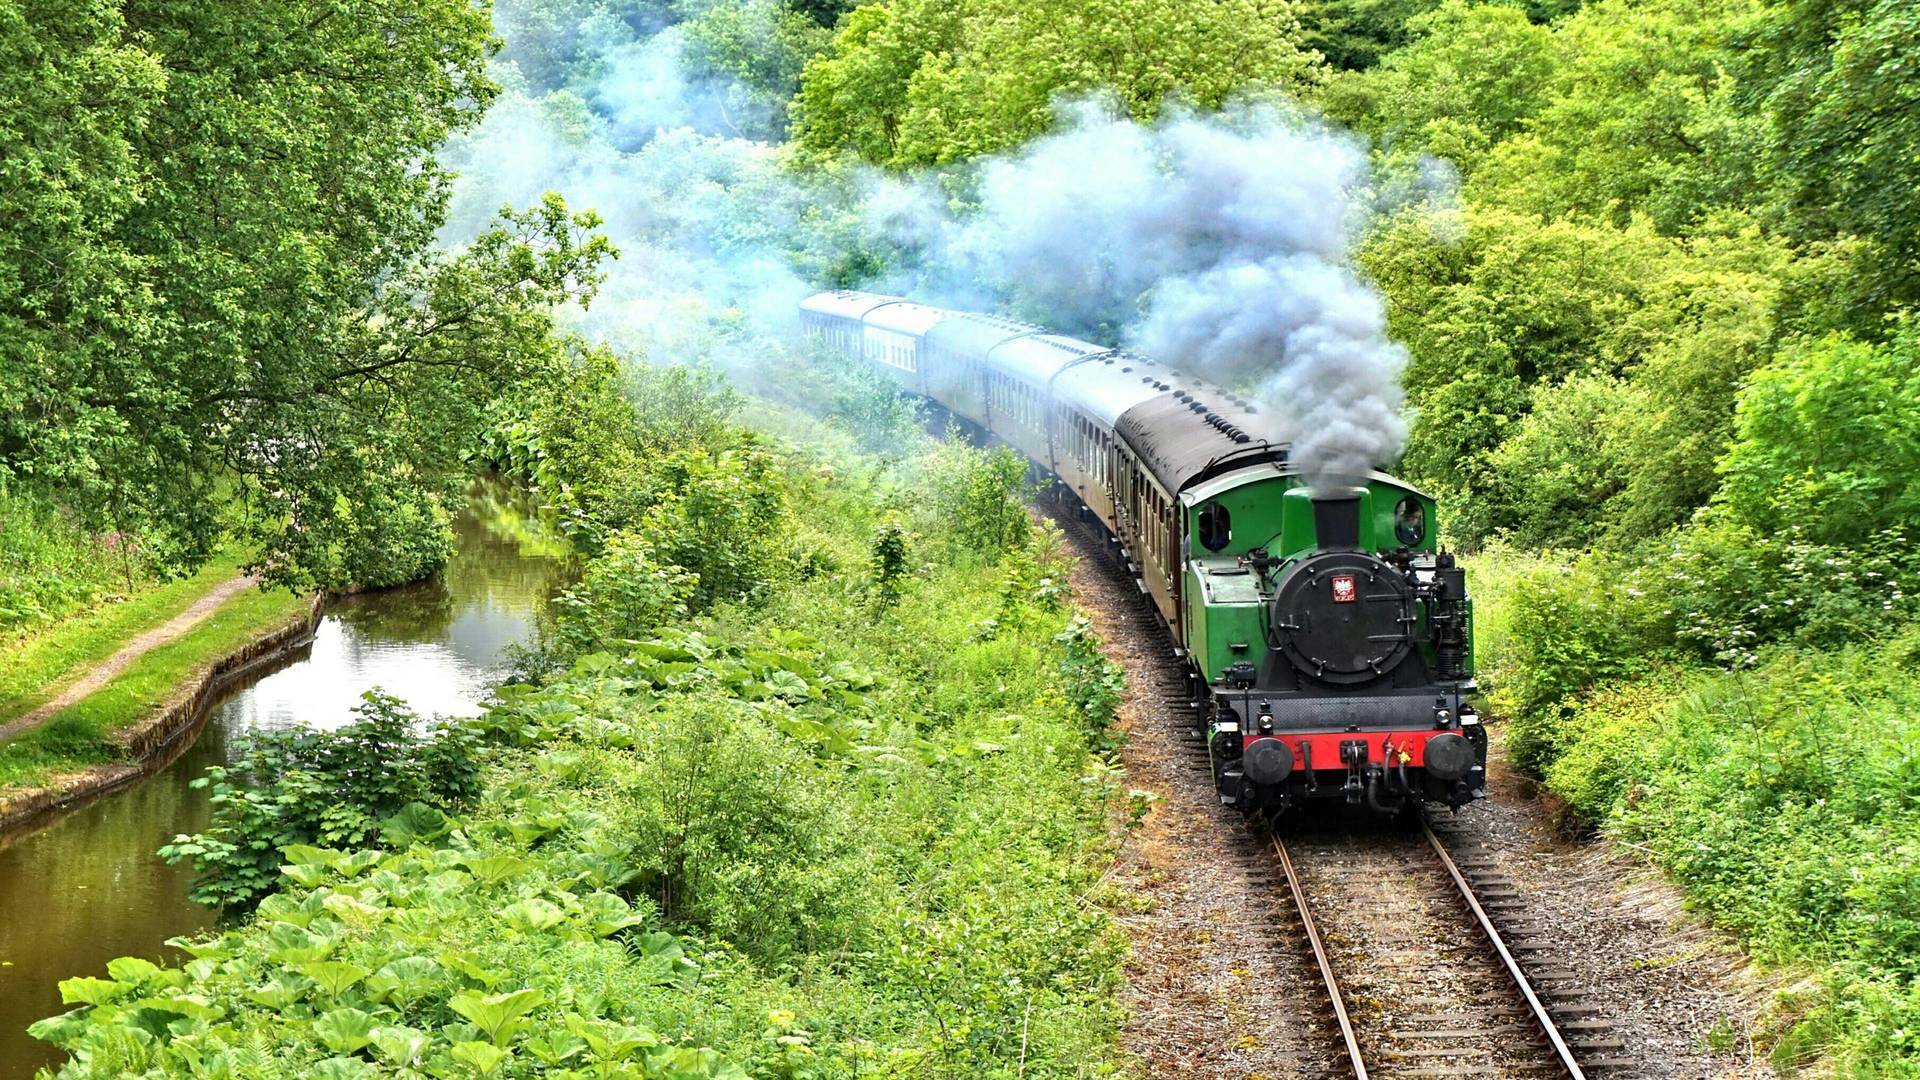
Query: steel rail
{"type": "Point", "coordinates": [1540, 1015]}
{"type": "Point", "coordinates": [1347, 1033]}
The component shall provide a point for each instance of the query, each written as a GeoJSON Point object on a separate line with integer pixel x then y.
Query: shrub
{"type": "Point", "coordinates": [1567, 629]}
{"type": "Point", "coordinates": [977, 496]}
{"type": "Point", "coordinates": [50, 567]}
{"type": "Point", "coordinates": [329, 788]}
{"type": "Point", "coordinates": [1828, 439]}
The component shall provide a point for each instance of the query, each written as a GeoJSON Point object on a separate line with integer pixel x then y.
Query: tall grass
{"type": "Point", "coordinates": [50, 567]}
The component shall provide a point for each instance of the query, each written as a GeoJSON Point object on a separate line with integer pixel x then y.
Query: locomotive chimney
{"type": "Point", "coordinates": [1336, 517]}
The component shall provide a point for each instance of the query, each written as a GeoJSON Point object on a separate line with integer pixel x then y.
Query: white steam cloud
{"type": "Point", "coordinates": [1218, 243]}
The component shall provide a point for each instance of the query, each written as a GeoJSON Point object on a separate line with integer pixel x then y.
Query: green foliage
{"type": "Point", "coordinates": [1354, 34]}
{"type": "Point", "coordinates": [1783, 799]}
{"type": "Point", "coordinates": [625, 593]}
{"type": "Point", "coordinates": [229, 251]}
{"type": "Point", "coordinates": [1843, 132]}
{"type": "Point", "coordinates": [1470, 75]}
{"type": "Point", "coordinates": [50, 567]}
{"type": "Point", "coordinates": [806, 839]}
{"type": "Point", "coordinates": [978, 496]}
{"type": "Point", "coordinates": [1828, 440]}
{"type": "Point", "coordinates": [383, 772]}
{"type": "Point", "coordinates": [889, 562]}
{"type": "Point", "coordinates": [1094, 685]}
{"type": "Point", "coordinates": [915, 82]}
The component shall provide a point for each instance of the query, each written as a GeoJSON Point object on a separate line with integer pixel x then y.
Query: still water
{"type": "Point", "coordinates": [88, 888]}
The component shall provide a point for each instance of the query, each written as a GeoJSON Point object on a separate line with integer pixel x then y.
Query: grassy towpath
{"type": "Point", "coordinates": [66, 691]}
{"type": "Point", "coordinates": [95, 677]}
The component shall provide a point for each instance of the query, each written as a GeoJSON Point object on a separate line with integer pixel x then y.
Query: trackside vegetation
{"type": "Point", "coordinates": [837, 809]}
{"type": "Point", "coordinates": [1737, 698]}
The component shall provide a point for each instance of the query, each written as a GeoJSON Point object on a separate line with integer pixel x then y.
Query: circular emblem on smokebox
{"type": "Point", "coordinates": [1343, 617]}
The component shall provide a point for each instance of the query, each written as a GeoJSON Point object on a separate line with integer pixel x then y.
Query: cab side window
{"type": "Point", "coordinates": [1216, 526]}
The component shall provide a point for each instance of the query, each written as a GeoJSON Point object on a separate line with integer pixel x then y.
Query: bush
{"type": "Point", "coordinates": [328, 788]}
{"type": "Point", "coordinates": [977, 496]}
{"type": "Point", "coordinates": [50, 567]}
{"type": "Point", "coordinates": [1828, 439]}
{"type": "Point", "coordinates": [1567, 629]}
{"type": "Point", "coordinates": [624, 594]}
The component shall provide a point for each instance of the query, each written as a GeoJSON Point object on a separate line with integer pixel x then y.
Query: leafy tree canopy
{"type": "Point", "coordinates": [232, 283]}
{"type": "Point", "coordinates": [915, 82]}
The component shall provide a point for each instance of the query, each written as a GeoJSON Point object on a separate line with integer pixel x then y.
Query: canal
{"type": "Point", "coordinates": [88, 887]}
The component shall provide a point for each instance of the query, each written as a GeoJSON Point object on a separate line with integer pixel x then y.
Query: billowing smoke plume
{"type": "Point", "coordinates": [1216, 243]}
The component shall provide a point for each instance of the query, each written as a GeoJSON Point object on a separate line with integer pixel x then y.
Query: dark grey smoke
{"type": "Point", "coordinates": [1217, 243]}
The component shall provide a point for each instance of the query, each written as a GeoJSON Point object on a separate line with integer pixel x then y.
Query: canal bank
{"type": "Point", "coordinates": [85, 886]}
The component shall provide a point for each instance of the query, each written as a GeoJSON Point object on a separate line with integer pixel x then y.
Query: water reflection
{"type": "Point", "coordinates": [88, 888]}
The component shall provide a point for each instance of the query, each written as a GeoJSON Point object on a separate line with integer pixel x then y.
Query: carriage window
{"type": "Point", "coordinates": [1216, 526]}
{"type": "Point", "coordinates": [1410, 521]}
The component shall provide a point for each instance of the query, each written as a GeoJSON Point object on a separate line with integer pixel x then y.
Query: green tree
{"type": "Point", "coordinates": [1354, 34]}
{"type": "Point", "coordinates": [1836, 83]}
{"type": "Point", "coordinates": [918, 82]}
{"type": "Point", "coordinates": [1471, 75]}
{"type": "Point", "coordinates": [1828, 438]}
{"type": "Point", "coordinates": [72, 290]}
{"type": "Point", "coordinates": [267, 312]}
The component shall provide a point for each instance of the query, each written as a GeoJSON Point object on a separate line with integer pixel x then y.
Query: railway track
{"type": "Point", "coordinates": [1421, 980]}
{"type": "Point", "coordinates": [1423, 947]}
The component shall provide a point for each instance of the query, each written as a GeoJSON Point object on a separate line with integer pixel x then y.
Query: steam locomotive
{"type": "Point", "coordinates": [1331, 637]}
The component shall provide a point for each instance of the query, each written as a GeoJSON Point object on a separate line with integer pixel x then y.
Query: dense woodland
{"type": "Point", "coordinates": [1654, 263]}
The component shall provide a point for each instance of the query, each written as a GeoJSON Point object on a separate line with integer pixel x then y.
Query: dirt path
{"type": "Point", "coordinates": [97, 676]}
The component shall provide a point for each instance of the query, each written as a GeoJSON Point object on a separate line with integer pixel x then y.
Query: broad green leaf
{"type": "Point", "coordinates": [334, 976]}
{"type": "Point", "coordinates": [555, 1047]}
{"type": "Point", "coordinates": [283, 908]}
{"type": "Point", "coordinates": [88, 990]}
{"type": "Point", "coordinates": [308, 875]}
{"type": "Point", "coordinates": [289, 944]}
{"type": "Point", "coordinates": [308, 855]}
{"type": "Point", "coordinates": [284, 989]}
{"type": "Point", "coordinates": [533, 914]}
{"type": "Point", "coordinates": [416, 823]}
{"type": "Point", "coordinates": [405, 980]}
{"type": "Point", "coordinates": [608, 914]}
{"type": "Point", "coordinates": [219, 947]}
{"type": "Point", "coordinates": [485, 1058]}
{"type": "Point", "coordinates": [343, 1068]}
{"type": "Point", "coordinates": [353, 912]}
{"type": "Point", "coordinates": [400, 1045]}
{"type": "Point", "coordinates": [344, 1030]}
{"type": "Point", "coordinates": [132, 969]}
{"type": "Point", "coordinates": [610, 1042]}
{"type": "Point", "coordinates": [194, 1006]}
{"type": "Point", "coordinates": [61, 1030]}
{"type": "Point", "coordinates": [469, 965]}
{"type": "Point", "coordinates": [352, 865]}
{"type": "Point", "coordinates": [499, 1015]}
{"type": "Point", "coordinates": [494, 869]}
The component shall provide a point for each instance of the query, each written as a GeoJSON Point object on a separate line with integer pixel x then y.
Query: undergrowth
{"type": "Point", "coordinates": [837, 810]}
